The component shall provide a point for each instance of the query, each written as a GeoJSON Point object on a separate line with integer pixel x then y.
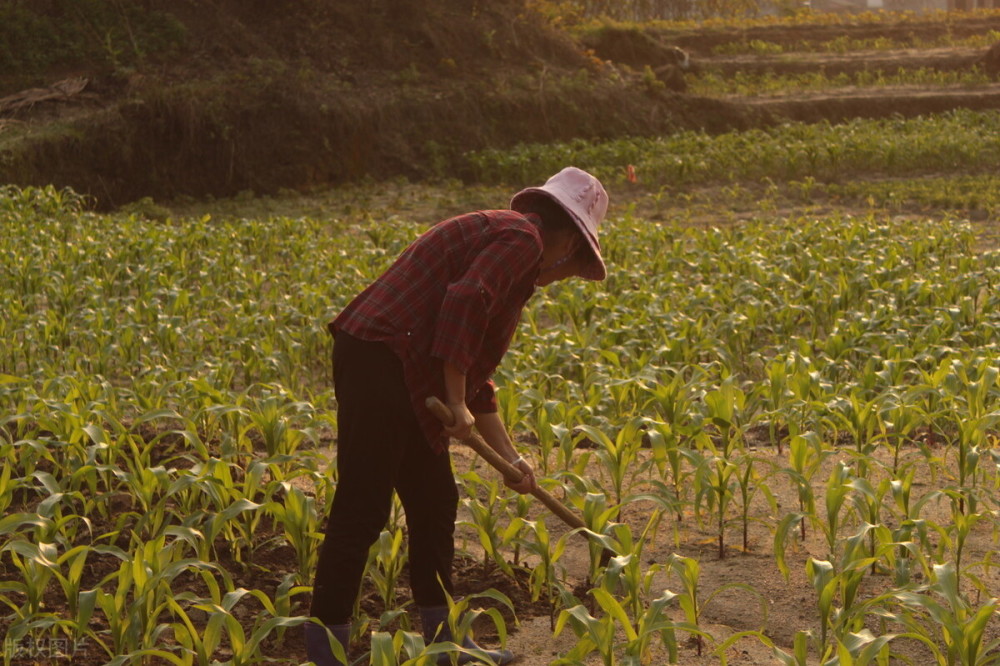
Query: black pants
{"type": "Point", "coordinates": [381, 449]}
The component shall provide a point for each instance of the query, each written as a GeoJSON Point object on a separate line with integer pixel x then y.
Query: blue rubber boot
{"type": "Point", "coordinates": [434, 621]}
{"type": "Point", "coordinates": [318, 642]}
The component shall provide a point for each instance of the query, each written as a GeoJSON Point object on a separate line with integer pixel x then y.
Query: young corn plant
{"type": "Point", "coordinates": [838, 489]}
{"type": "Point", "coordinates": [939, 610]}
{"type": "Point", "coordinates": [779, 397]}
{"type": "Point", "coordinates": [597, 514]}
{"type": "Point", "coordinates": [899, 418]}
{"type": "Point", "coordinates": [674, 398]}
{"type": "Point", "coordinates": [69, 572]}
{"type": "Point", "coordinates": [553, 434]}
{"type": "Point", "coordinates": [386, 561]}
{"type": "Point", "coordinates": [843, 634]}
{"type": "Point", "coordinates": [725, 407]}
{"type": "Point", "coordinates": [624, 576]}
{"type": "Point", "coordinates": [620, 456]}
{"type": "Point", "coordinates": [859, 417]}
{"type": "Point", "coordinates": [486, 516]}
{"type": "Point", "coordinates": [545, 576]}
{"type": "Point", "coordinates": [225, 525]}
{"type": "Point", "coordinates": [461, 618]}
{"type": "Point", "coordinates": [246, 650]}
{"type": "Point", "coordinates": [141, 593]}
{"type": "Point", "coordinates": [674, 461]}
{"type": "Point", "coordinates": [858, 649]}
{"type": "Point", "coordinates": [836, 495]}
{"type": "Point", "coordinates": [972, 412]}
{"type": "Point", "coordinates": [600, 634]}
{"type": "Point", "coordinates": [692, 603]}
{"type": "Point", "coordinates": [399, 648]}
{"type": "Point", "coordinates": [36, 564]}
{"type": "Point", "coordinates": [962, 524]}
{"type": "Point", "coordinates": [513, 536]}
{"type": "Point", "coordinates": [297, 516]}
{"type": "Point", "coordinates": [599, 518]}
{"type": "Point", "coordinates": [716, 481]}
{"type": "Point", "coordinates": [868, 504]}
{"type": "Point", "coordinates": [750, 483]}
{"type": "Point", "coordinates": [273, 416]}
{"type": "Point", "coordinates": [806, 455]}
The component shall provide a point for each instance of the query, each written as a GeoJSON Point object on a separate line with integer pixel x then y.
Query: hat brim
{"type": "Point", "coordinates": [594, 268]}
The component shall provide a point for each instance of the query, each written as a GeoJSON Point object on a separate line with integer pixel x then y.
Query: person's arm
{"type": "Point", "coordinates": [464, 316]}
{"type": "Point", "coordinates": [491, 427]}
{"type": "Point", "coordinates": [454, 388]}
{"type": "Point", "coordinates": [484, 289]}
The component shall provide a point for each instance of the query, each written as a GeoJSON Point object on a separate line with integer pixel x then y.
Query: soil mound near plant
{"type": "Point", "coordinates": [220, 97]}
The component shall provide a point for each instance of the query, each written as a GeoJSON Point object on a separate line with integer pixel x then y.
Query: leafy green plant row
{"type": "Point", "coordinates": [142, 298]}
{"type": "Point", "coordinates": [758, 288]}
{"type": "Point", "coordinates": [980, 192]}
{"type": "Point", "coordinates": [793, 19]}
{"type": "Point", "coordinates": [846, 44]}
{"type": "Point", "coordinates": [956, 141]}
{"type": "Point", "coordinates": [769, 83]}
{"type": "Point", "coordinates": [975, 196]}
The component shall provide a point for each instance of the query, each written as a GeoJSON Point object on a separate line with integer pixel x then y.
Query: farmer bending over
{"type": "Point", "coordinates": [436, 323]}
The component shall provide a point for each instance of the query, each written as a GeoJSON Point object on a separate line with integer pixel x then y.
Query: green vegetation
{"type": "Point", "coordinates": [846, 44]}
{"type": "Point", "coordinates": [961, 193]}
{"type": "Point", "coordinates": [70, 34]}
{"type": "Point", "coordinates": [165, 396]}
{"type": "Point", "coordinates": [963, 140]}
{"type": "Point", "coordinates": [768, 83]}
{"type": "Point", "coordinates": [940, 20]}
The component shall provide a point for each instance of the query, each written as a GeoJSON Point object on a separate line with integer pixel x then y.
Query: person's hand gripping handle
{"type": "Point", "coordinates": [510, 473]}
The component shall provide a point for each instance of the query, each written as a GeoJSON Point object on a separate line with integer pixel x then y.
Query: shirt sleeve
{"type": "Point", "coordinates": [485, 400]}
{"type": "Point", "coordinates": [480, 293]}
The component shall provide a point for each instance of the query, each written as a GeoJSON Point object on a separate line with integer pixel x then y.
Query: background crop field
{"type": "Point", "coordinates": [779, 411]}
{"type": "Point", "coordinates": [807, 396]}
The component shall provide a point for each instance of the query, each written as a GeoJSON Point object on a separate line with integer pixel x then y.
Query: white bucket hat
{"type": "Point", "coordinates": [584, 198]}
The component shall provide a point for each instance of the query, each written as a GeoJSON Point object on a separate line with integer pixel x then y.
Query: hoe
{"type": "Point", "coordinates": [513, 474]}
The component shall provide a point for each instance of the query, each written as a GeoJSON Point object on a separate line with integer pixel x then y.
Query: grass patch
{"type": "Point", "coordinates": [110, 33]}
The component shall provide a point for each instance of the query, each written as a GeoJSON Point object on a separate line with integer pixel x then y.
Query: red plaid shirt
{"type": "Point", "coordinates": [455, 294]}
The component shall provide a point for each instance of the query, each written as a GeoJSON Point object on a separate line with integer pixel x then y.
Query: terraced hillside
{"type": "Point", "coordinates": [908, 66]}
{"type": "Point", "coordinates": [224, 98]}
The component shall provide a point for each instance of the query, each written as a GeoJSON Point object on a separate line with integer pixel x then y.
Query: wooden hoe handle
{"type": "Point", "coordinates": [511, 473]}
